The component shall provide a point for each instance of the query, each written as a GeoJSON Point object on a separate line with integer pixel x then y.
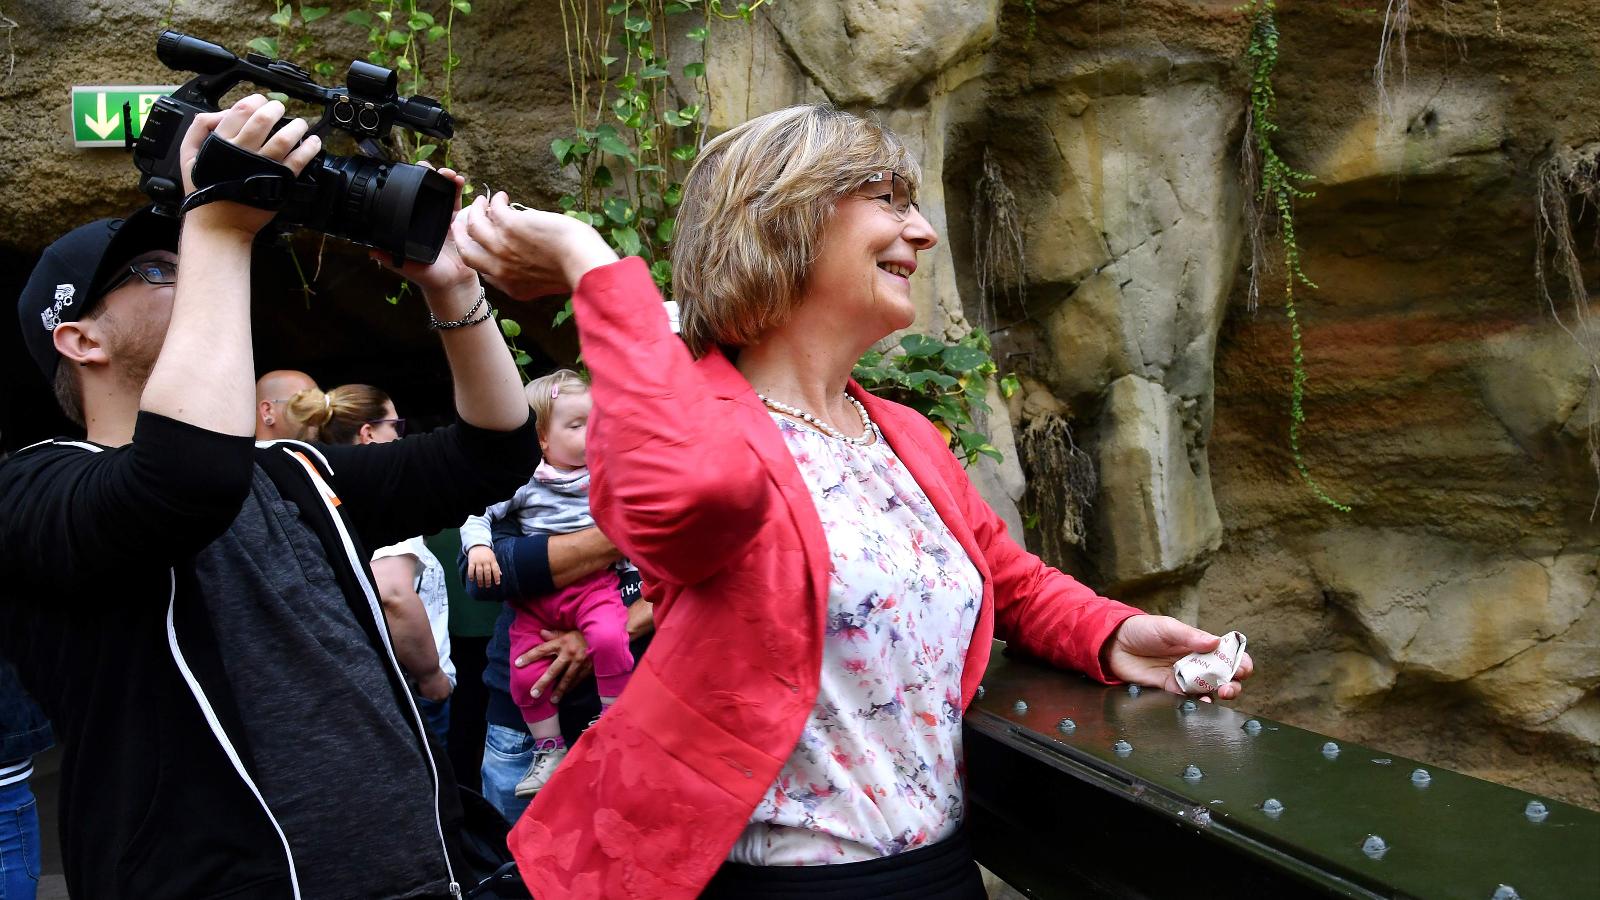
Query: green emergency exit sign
{"type": "Point", "coordinates": [97, 111]}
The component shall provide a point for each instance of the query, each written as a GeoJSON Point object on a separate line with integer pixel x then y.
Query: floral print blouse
{"type": "Point", "coordinates": [878, 769]}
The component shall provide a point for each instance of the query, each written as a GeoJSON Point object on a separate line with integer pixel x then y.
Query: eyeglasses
{"type": "Point", "coordinates": [153, 272]}
{"type": "Point", "coordinates": [889, 188]}
{"type": "Point", "coordinates": [399, 425]}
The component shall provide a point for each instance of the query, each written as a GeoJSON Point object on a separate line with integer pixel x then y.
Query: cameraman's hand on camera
{"type": "Point", "coordinates": [208, 340]}
{"type": "Point", "coordinates": [527, 253]}
{"type": "Point", "coordinates": [445, 274]}
{"type": "Point", "coordinates": [248, 125]}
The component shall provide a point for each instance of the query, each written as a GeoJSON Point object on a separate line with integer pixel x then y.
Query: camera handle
{"type": "Point", "coordinates": [223, 171]}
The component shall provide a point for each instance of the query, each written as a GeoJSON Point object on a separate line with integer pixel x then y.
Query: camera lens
{"type": "Point", "coordinates": [398, 208]}
{"type": "Point", "coordinates": [413, 211]}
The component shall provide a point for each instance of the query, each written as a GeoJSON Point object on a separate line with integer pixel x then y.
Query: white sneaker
{"type": "Point", "coordinates": [546, 756]}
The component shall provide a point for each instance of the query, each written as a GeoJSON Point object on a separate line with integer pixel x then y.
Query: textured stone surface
{"type": "Point", "coordinates": [873, 52]}
{"type": "Point", "coordinates": [1445, 611]}
{"type": "Point", "coordinates": [1437, 125]}
{"type": "Point", "coordinates": [1156, 515]}
{"type": "Point", "coordinates": [1126, 190]}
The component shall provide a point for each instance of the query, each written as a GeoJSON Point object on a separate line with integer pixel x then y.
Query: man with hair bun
{"type": "Point", "coordinates": [195, 612]}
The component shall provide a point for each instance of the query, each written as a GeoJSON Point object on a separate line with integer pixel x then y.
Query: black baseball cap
{"type": "Point", "coordinates": [75, 271]}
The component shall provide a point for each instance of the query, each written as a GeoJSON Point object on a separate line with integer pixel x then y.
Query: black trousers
{"type": "Point", "coordinates": [943, 871]}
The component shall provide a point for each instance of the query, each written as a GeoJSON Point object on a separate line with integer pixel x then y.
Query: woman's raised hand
{"type": "Point", "coordinates": [527, 253]}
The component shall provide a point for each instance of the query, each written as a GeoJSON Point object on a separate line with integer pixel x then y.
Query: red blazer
{"type": "Point", "coordinates": [692, 479]}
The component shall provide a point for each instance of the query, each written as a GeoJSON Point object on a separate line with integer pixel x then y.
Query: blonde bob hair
{"type": "Point", "coordinates": [753, 211]}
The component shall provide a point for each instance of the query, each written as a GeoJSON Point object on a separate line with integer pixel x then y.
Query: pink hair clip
{"type": "Point", "coordinates": [555, 390]}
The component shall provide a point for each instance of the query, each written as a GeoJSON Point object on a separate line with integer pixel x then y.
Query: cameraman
{"type": "Point", "coordinates": [194, 611]}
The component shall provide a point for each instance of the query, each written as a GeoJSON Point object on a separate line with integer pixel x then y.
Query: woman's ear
{"type": "Point", "coordinates": [77, 345]}
{"type": "Point", "coordinates": [364, 436]}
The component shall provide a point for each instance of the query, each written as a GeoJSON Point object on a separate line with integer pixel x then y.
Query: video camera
{"type": "Point", "coordinates": [400, 208]}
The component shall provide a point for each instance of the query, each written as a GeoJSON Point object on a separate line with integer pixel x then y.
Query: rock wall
{"type": "Point", "coordinates": [1452, 615]}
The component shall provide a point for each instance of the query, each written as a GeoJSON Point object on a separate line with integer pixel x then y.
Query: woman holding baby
{"type": "Point", "coordinates": [828, 580]}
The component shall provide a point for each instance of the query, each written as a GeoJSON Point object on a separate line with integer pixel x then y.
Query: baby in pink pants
{"type": "Point", "coordinates": [556, 501]}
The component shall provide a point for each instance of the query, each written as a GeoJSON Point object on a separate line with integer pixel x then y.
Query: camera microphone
{"type": "Point", "coordinates": [190, 54]}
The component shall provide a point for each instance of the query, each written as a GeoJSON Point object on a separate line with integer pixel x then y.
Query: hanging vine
{"type": "Point", "coordinates": [1272, 187]}
{"type": "Point", "coordinates": [998, 253]}
{"type": "Point", "coordinates": [9, 25]}
{"type": "Point", "coordinates": [1392, 43]}
{"type": "Point", "coordinates": [1062, 484]}
{"type": "Point", "coordinates": [635, 132]}
{"type": "Point", "coordinates": [1566, 178]}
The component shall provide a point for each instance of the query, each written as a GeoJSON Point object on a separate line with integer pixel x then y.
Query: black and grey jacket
{"type": "Point", "coordinates": [24, 730]}
{"type": "Point", "coordinates": [101, 612]}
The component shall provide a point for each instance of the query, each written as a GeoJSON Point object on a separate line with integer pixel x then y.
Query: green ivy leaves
{"type": "Point", "coordinates": [611, 142]}
{"type": "Point", "coordinates": [636, 129]}
{"type": "Point", "coordinates": [963, 358]}
{"type": "Point", "coordinates": [627, 241]}
{"type": "Point", "coordinates": [618, 210]}
{"type": "Point", "coordinates": [945, 382]}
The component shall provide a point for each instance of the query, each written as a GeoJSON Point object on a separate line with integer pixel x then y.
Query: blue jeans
{"type": "Point", "coordinates": [19, 843]}
{"type": "Point", "coordinates": [507, 754]}
{"type": "Point", "coordinates": [436, 713]}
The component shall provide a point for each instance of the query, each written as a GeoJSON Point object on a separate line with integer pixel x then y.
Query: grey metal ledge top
{"type": "Point", "coordinates": [1352, 819]}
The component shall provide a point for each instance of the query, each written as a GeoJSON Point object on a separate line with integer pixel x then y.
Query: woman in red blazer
{"type": "Point", "coordinates": [829, 580]}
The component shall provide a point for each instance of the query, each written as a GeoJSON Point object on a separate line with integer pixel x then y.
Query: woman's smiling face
{"type": "Point", "coordinates": [868, 253]}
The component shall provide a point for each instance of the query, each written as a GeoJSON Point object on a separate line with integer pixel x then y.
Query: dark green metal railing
{"type": "Point", "coordinates": [1080, 790]}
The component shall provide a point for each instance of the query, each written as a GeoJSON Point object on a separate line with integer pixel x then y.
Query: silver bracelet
{"type": "Point", "coordinates": [466, 320]}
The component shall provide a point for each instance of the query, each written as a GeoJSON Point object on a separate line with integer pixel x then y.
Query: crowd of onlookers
{"type": "Point", "coordinates": [594, 617]}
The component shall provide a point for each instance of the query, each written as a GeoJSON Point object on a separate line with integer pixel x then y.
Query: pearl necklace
{"type": "Point", "coordinates": [824, 427]}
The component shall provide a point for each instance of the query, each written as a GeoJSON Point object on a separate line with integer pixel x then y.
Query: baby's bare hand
{"type": "Point", "coordinates": [482, 567]}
